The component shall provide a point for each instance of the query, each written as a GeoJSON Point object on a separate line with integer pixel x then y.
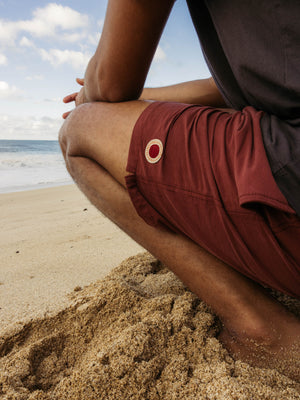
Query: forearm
{"type": "Point", "coordinates": [131, 32]}
{"type": "Point", "coordinates": [202, 91]}
{"type": "Point", "coordinates": [100, 85]}
{"type": "Point", "coordinates": [92, 87]}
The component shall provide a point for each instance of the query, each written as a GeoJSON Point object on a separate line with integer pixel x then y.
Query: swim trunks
{"type": "Point", "coordinates": [204, 173]}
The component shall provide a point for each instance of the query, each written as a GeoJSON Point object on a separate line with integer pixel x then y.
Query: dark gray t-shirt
{"type": "Point", "coordinates": [253, 51]}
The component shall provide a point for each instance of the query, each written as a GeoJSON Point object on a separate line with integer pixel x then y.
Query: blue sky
{"type": "Point", "coordinates": [45, 45]}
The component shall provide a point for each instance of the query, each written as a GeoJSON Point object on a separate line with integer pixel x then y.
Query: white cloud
{"type": "Point", "coordinates": [30, 127]}
{"type": "Point", "coordinates": [48, 20]}
{"type": "Point", "coordinates": [51, 21]}
{"type": "Point", "coordinates": [9, 92]}
{"type": "Point", "coordinates": [35, 78]}
{"type": "Point", "coordinates": [64, 17]}
{"type": "Point", "coordinates": [72, 37]}
{"type": "Point", "coordinates": [3, 59]}
{"type": "Point", "coordinates": [25, 42]}
{"type": "Point", "coordinates": [76, 59]}
{"type": "Point", "coordinates": [159, 54]}
{"type": "Point", "coordinates": [8, 32]}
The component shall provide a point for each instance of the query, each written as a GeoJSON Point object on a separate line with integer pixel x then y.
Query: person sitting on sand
{"type": "Point", "coordinates": [205, 174]}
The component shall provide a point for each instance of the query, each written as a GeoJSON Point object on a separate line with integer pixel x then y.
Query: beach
{"type": "Point", "coordinates": [52, 240]}
{"type": "Point", "coordinates": [86, 313]}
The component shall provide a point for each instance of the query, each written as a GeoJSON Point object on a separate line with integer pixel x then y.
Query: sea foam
{"type": "Point", "coordinates": [31, 164]}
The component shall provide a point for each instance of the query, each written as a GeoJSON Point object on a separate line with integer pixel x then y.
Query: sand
{"type": "Point", "coordinates": [137, 333]}
{"type": "Point", "coordinates": [51, 241]}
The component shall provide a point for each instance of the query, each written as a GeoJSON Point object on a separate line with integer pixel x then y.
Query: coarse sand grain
{"type": "Point", "coordinates": [136, 334]}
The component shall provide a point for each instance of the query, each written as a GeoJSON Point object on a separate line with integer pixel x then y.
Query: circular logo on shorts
{"type": "Point", "coordinates": [153, 151]}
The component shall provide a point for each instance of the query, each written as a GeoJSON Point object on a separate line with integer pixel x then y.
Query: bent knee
{"type": "Point", "coordinates": [71, 135]}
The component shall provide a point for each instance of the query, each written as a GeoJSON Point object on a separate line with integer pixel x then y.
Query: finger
{"type": "Point", "coordinates": [70, 97]}
{"type": "Point", "coordinates": [66, 114]}
{"type": "Point", "coordinates": [80, 81]}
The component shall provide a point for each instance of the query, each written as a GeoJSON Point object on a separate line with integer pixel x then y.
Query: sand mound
{"type": "Point", "coordinates": [138, 334]}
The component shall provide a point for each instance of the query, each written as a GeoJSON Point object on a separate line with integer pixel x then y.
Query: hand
{"type": "Point", "coordinates": [77, 97]}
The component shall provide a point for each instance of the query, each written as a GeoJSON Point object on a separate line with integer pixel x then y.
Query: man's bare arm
{"type": "Point", "coordinates": [119, 67]}
{"type": "Point", "coordinates": [202, 91]}
{"type": "Point", "coordinates": [131, 33]}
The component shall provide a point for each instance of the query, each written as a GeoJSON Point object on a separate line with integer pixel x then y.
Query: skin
{"type": "Point", "coordinates": [95, 139]}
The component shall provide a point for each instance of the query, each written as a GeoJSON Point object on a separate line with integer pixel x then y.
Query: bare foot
{"type": "Point", "coordinates": [267, 345]}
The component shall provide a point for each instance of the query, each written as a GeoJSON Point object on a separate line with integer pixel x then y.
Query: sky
{"type": "Point", "coordinates": [45, 45]}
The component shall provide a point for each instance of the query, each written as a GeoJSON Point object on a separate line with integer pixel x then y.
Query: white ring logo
{"type": "Point", "coordinates": [153, 151]}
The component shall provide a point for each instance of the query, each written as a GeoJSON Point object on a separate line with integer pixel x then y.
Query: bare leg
{"type": "Point", "coordinates": [95, 141]}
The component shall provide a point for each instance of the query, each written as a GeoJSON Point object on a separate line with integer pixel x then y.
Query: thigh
{"type": "Point", "coordinates": [204, 173]}
{"type": "Point", "coordinates": [102, 132]}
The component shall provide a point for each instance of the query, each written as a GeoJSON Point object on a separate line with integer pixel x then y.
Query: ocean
{"type": "Point", "coordinates": [31, 164]}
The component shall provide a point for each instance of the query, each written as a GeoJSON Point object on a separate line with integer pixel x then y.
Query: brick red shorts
{"type": "Point", "coordinates": [204, 173]}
